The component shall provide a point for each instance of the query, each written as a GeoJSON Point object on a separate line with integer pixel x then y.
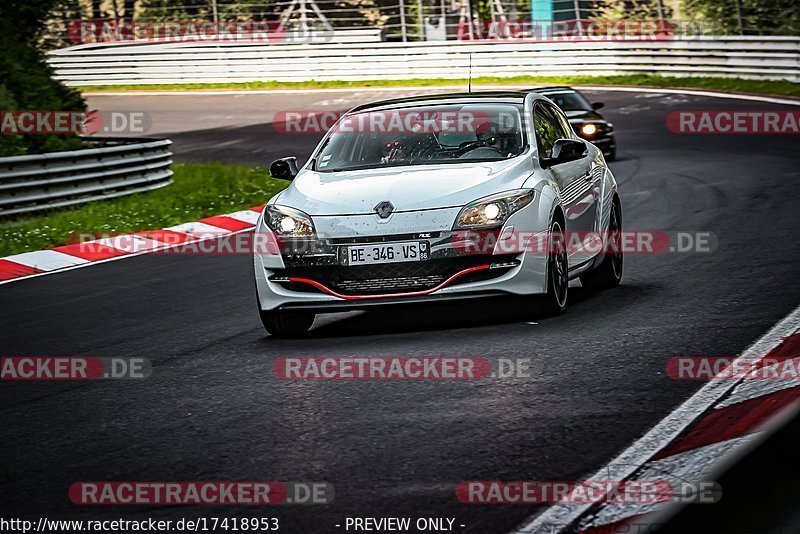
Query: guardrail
{"type": "Point", "coordinates": [117, 167]}
{"type": "Point", "coordinates": [169, 63]}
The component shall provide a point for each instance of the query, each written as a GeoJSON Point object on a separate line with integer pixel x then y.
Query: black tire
{"type": "Point", "coordinates": [609, 273]}
{"type": "Point", "coordinates": [554, 302]}
{"type": "Point", "coordinates": [286, 324]}
{"type": "Point", "coordinates": [612, 155]}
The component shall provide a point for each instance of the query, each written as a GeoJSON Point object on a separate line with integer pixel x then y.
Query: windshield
{"type": "Point", "coordinates": [424, 135]}
{"type": "Point", "coordinates": [569, 101]}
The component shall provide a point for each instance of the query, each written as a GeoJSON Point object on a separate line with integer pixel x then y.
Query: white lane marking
{"type": "Point", "coordinates": [248, 216]}
{"type": "Point", "coordinates": [200, 229]}
{"type": "Point", "coordinates": [429, 89]}
{"type": "Point", "coordinates": [694, 92]}
{"type": "Point", "coordinates": [554, 519]}
{"type": "Point", "coordinates": [46, 260]}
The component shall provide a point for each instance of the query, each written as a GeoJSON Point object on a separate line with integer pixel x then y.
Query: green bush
{"type": "Point", "coordinates": [26, 81]}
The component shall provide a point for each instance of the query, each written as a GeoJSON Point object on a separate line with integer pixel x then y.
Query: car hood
{"type": "Point", "coordinates": [407, 188]}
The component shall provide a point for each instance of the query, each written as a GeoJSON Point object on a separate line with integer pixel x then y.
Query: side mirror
{"type": "Point", "coordinates": [565, 150]}
{"type": "Point", "coordinates": [597, 105]}
{"type": "Point", "coordinates": [284, 168]}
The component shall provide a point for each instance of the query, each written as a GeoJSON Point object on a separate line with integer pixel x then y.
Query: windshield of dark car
{"type": "Point", "coordinates": [423, 135]}
{"type": "Point", "coordinates": [569, 100]}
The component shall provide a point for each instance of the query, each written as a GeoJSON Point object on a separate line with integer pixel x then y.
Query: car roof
{"type": "Point", "coordinates": [552, 89]}
{"type": "Point", "coordinates": [517, 97]}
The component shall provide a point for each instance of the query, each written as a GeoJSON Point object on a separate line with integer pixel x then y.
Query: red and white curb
{"type": "Point", "coordinates": [66, 257]}
{"type": "Point", "coordinates": [722, 421]}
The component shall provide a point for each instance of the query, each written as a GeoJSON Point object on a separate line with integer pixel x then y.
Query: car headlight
{"type": "Point", "coordinates": [288, 222]}
{"type": "Point", "coordinates": [589, 129]}
{"type": "Point", "coordinates": [493, 211]}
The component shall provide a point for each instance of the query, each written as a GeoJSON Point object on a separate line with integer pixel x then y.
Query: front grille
{"type": "Point", "coordinates": [393, 277]}
{"type": "Point", "coordinates": [385, 285]}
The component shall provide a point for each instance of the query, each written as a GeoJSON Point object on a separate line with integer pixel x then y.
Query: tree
{"type": "Point", "coordinates": [26, 80]}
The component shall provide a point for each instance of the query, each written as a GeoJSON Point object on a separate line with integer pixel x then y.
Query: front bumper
{"type": "Point", "coordinates": [311, 277]}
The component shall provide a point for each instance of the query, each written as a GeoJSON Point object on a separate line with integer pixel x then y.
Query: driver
{"type": "Point", "coordinates": [486, 133]}
{"type": "Point", "coordinates": [490, 135]}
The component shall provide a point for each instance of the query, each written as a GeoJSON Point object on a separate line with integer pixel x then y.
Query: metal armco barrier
{"type": "Point", "coordinates": [117, 167]}
{"type": "Point", "coordinates": [169, 63]}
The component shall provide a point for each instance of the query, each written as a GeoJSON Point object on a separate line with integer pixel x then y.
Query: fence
{"type": "Point", "coordinates": [409, 20]}
{"type": "Point", "coordinates": [117, 167]}
{"type": "Point", "coordinates": [165, 63]}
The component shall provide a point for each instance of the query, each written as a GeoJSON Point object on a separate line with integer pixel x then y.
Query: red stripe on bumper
{"type": "Point", "coordinates": [321, 287]}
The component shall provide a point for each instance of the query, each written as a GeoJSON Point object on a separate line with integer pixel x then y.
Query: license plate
{"type": "Point", "coordinates": [384, 253]}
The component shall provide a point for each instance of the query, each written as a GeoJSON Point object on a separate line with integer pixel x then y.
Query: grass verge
{"type": "Point", "coordinates": [733, 85]}
{"type": "Point", "coordinates": [200, 190]}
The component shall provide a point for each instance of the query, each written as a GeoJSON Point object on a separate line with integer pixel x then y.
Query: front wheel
{"type": "Point", "coordinates": [609, 273]}
{"type": "Point", "coordinates": [554, 301]}
{"type": "Point", "coordinates": [286, 324]}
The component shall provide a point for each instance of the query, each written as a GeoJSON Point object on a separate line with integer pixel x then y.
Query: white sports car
{"type": "Point", "coordinates": [438, 198]}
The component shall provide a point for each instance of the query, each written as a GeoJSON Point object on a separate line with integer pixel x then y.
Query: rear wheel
{"type": "Point", "coordinates": [288, 324]}
{"type": "Point", "coordinates": [554, 301]}
{"type": "Point", "coordinates": [609, 273]}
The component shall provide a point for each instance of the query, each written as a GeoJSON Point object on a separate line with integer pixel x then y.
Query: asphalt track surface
{"type": "Point", "coordinates": [213, 410]}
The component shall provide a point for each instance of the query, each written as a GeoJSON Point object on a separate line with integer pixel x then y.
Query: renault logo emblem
{"type": "Point", "coordinates": [384, 209]}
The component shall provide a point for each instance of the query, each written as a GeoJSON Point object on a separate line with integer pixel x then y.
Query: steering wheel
{"type": "Point", "coordinates": [462, 151]}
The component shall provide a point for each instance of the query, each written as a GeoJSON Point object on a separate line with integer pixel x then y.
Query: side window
{"type": "Point", "coordinates": [565, 128]}
{"type": "Point", "coordinates": [547, 128]}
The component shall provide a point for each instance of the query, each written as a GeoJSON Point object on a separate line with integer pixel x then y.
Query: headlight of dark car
{"type": "Point", "coordinates": [594, 129]}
